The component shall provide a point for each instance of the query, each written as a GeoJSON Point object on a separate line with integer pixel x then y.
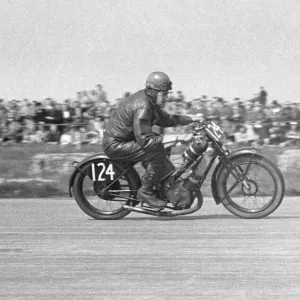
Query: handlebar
{"type": "Point", "coordinates": [199, 126]}
{"type": "Point", "coordinates": [203, 118]}
{"type": "Point", "coordinates": [173, 143]}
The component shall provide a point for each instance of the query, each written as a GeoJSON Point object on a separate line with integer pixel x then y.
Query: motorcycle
{"type": "Point", "coordinates": [244, 181]}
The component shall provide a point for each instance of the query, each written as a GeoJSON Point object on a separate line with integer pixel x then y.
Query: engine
{"type": "Point", "coordinates": [176, 193]}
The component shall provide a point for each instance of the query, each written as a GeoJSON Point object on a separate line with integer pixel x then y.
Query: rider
{"type": "Point", "coordinates": [128, 134]}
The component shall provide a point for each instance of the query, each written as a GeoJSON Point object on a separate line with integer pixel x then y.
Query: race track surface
{"type": "Point", "coordinates": [51, 250]}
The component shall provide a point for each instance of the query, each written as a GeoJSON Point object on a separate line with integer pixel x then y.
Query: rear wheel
{"type": "Point", "coordinates": [262, 193]}
{"type": "Point", "coordinates": [90, 194]}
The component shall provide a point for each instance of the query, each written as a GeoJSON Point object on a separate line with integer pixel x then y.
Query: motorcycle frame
{"type": "Point", "coordinates": [192, 165]}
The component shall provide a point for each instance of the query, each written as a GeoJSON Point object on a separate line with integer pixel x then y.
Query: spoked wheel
{"type": "Point", "coordinates": [98, 202]}
{"type": "Point", "coordinates": [261, 192]}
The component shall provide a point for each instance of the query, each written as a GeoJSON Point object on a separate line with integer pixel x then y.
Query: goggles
{"type": "Point", "coordinates": [163, 87]}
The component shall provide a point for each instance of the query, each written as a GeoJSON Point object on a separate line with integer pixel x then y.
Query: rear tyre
{"type": "Point", "coordinates": [265, 190]}
{"type": "Point", "coordinates": [109, 206]}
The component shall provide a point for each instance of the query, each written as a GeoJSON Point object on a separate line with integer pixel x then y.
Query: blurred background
{"type": "Point", "coordinates": [65, 65]}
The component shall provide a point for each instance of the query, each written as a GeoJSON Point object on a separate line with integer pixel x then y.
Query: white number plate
{"type": "Point", "coordinates": [102, 171]}
{"type": "Point", "coordinates": [215, 131]}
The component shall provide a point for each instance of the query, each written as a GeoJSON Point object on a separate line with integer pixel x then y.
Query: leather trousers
{"type": "Point", "coordinates": [132, 152]}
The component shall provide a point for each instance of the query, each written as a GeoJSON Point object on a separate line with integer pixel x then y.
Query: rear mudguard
{"type": "Point", "coordinates": [96, 157]}
{"type": "Point", "coordinates": [234, 154]}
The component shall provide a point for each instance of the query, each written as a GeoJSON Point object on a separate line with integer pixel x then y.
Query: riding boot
{"type": "Point", "coordinates": [145, 193]}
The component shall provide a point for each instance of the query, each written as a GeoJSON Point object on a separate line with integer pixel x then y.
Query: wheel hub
{"type": "Point", "coordinates": [252, 190]}
{"type": "Point", "coordinates": [106, 195]}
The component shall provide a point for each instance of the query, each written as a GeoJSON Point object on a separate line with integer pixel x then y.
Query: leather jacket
{"type": "Point", "coordinates": [134, 117]}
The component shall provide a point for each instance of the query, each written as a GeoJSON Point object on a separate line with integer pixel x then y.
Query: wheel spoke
{"type": "Point", "coordinates": [231, 189]}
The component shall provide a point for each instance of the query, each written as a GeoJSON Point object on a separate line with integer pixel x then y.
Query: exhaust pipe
{"type": "Point", "coordinates": [168, 213]}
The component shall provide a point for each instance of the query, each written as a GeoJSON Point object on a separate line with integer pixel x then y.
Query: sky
{"type": "Point", "coordinates": [224, 48]}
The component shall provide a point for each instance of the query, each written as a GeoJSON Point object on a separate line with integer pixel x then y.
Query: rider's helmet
{"type": "Point", "coordinates": [158, 81]}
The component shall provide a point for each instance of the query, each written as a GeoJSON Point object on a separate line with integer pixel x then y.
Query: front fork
{"type": "Point", "coordinates": [237, 172]}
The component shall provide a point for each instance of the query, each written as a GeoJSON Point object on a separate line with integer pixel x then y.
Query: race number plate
{"type": "Point", "coordinates": [102, 171]}
{"type": "Point", "coordinates": [215, 131]}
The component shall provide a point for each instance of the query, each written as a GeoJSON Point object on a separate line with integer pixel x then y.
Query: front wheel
{"type": "Point", "coordinates": [259, 194]}
{"type": "Point", "coordinates": [94, 199]}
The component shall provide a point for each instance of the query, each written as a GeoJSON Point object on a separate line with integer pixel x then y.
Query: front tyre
{"type": "Point", "coordinates": [100, 205]}
{"type": "Point", "coordinates": [264, 191]}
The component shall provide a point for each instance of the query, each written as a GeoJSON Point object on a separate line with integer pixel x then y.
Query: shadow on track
{"type": "Point", "coordinates": [179, 218]}
{"type": "Point", "coordinates": [201, 217]}
{"type": "Point", "coordinates": [206, 217]}
{"type": "Point", "coordinates": [184, 218]}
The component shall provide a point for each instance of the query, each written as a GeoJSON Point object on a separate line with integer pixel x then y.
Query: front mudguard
{"type": "Point", "coordinates": [96, 157]}
{"type": "Point", "coordinates": [234, 154]}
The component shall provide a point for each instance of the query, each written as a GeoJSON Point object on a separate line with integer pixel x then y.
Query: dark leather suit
{"type": "Point", "coordinates": [128, 135]}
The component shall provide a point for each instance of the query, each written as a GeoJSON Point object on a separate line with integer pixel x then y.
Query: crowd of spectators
{"type": "Point", "coordinates": [246, 122]}
{"type": "Point", "coordinates": [81, 120]}
{"type": "Point", "coordinates": [75, 121]}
